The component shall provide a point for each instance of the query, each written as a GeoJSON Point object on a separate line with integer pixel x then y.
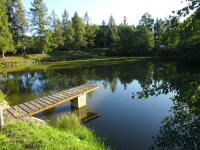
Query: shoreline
{"type": "Point", "coordinates": [70, 64]}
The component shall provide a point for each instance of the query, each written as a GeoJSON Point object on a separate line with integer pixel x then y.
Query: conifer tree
{"type": "Point", "coordinates": [86, 18]}
{"type": "Point", "coordinates": [112, 35]}
{"type": "Point", "coordinates": [6, 42]}
{"type": "Point", "coordinates": [57, 29]}
{"type": "Point", "coordinates": [69, 35]}
{"type": "Point", "coordinates": [39, 22]}
{"type": "Point", "coordinates": [65, 19]}
{"type": "Point", "coordinates": [79, 32]}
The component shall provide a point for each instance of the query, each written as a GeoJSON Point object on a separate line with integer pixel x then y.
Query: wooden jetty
{"type": "Point", "coordinates": [76, 95]}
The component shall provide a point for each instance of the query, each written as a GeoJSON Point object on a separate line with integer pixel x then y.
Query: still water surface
{"type": "Point", "coordinates": [142, 105]}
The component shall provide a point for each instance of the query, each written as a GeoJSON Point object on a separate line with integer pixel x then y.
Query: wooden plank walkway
{"type": "Point", "coordinates": [41, 104]}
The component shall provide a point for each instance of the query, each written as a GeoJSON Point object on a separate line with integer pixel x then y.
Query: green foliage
{"type": "Point", "coordinates": [126, 34]}
{"type": "Point", "coordinates": [112, 33]}
{"type": "Point", "coordinates": [142, 41]}
{"type": "Point", "coordinates": [101, 35]}
{"type": "Point", "coordinates": [147, 21]}
{"type": "Point", "coordinates": [17, 21]}
{"type": "Point", "coordinates": [47, 39]}
{"type": "Point", "coordinates": [182, 40]}
{"type": "Point", "coordinates": [38, 16]}
{"type": "Point", "coordinates": [86, 18]}
{"type": "Point", "coordinates": [79, 32]}
{"type": "Point", "coordinates": [65, 19]}
{"type": "Point", "coordinates": [192, 5]}
{"type": "Point", "coordinates": [6, 41]}
{"type": "Point", "coordinates": [69, 35]}
{"type": "Point", "coordinates": [90, 35]}
{"type": "Point", "coordinates": [58, 31]}
{"type": "Point", "coordinates": [196, 96]}
{"type": "Point", "coordinates": [39, 21]}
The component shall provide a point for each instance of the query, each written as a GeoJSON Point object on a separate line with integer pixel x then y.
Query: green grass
{"type": "Point", "coordinates": [66, 134]}
{"type": "Point", "coordinates": [69, 64]}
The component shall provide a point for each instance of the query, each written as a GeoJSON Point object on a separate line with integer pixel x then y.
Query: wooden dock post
{"type": "Point", "coordinates": [80, 101]}
{"type": "Point", "coordinates": [1, 117]}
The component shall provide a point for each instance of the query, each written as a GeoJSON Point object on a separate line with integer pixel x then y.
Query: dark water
{"type": "Point", "coordinates": [142, 105]}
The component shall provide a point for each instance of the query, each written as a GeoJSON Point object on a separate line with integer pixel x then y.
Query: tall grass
{"type": "Point", "coordinates": [73, 125]}
{"type": "Point", "coordinates": [65, 134]}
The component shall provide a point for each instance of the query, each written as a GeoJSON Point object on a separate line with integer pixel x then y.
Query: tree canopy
{"type": "Point", "coordinates": [37, 31]}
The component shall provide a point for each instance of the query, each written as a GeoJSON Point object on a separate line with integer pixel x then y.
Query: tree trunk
{"type": "Point", "coordinates": [3, 55]}
{"type": "Point", "coordinates": [24, 51]}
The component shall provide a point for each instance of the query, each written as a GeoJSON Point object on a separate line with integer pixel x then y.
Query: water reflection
{"type": "Point", "coordinates": [25, 86]}
{"type": "Point", "coordinates": [180, 130]}
{"type": "Point", "coordinates": [136, 101]}
{"type": "Point", "coordinates": [84, 113]}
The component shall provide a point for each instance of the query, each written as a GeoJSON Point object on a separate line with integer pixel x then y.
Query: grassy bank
{"type": "Point", "coordinates": [28, 66]}
{"type": "Point", "coordinates": [66, 134]}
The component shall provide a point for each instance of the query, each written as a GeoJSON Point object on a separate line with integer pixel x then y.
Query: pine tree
{"type": "Point", "coordinates": [65, 19]}
{"type": "Point", "coordinates": [52, 23]}
{"type": "Point", "coordinates": [113, 37]}
{"type": "Point", "coordinates": [101, 35]}
{"type": "Point", "coordinates": [90, 31]}
{"type": "Point", "coordinates": [86, 18]}
{"type": "Point", "coordinates": [6, 42]}
{"type": "Point", "coordinates": [39, 22]}
{"type": "Point", "coordinates": [69, 35]}
{"type": "Point", "coordinates": [111, 21]}
{"type": "Point", "coordinates": [90, 35]}
{"type": "Point", "coordinates": [57, 29]}
{"type": "Point", "coordinates": [157, 30]}
{"type": "Point", "coordinates": [38, 14]}
{"type": "Point", "coordinates": [105, 33]}
{"type": "Point", "coordinates": [79, 30]}
{"type": "Point", "coordinates": [125, 21]}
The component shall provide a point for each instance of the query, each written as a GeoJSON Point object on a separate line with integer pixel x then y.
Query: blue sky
{"type": "Point", "coordinates": [102, 9]}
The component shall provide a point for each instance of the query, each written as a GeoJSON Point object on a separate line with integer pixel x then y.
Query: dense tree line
{"type": "Point", "coordinates": [37, 31]}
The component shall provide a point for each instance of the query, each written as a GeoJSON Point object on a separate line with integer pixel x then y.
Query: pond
{"type": "Point", "coordinates": [142, 105]}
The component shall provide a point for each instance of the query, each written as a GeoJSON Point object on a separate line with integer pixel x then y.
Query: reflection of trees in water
{"type": "Point", "coordinates": [181, 129]}
{"type": "Point", "coordinates": [29, 85]}
{"type": "Point", "coordinates": [184, 84]}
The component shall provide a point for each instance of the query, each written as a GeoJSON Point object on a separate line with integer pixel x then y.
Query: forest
{"type": "Point", "coordinates": [38, 31]}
